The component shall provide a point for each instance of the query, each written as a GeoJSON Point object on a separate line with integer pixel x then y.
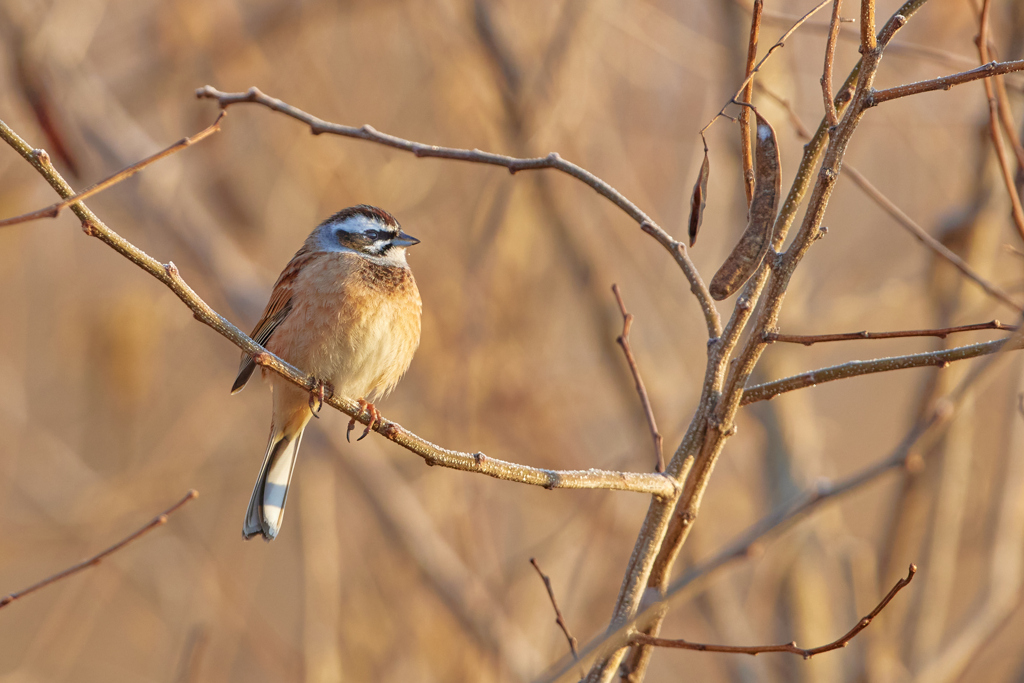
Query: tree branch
{"type": "Point", "coordinates": [656, 484]}
{"type": "Point", "coordinates": [942, 333]}
{"type": "Point", "coordinates": [856, 368]}
{"type": "Point", "coordinates": [573, 644]}
{"type": "Point", "coordinates": [831, 117]}
{"type": "Point", "coordinates": [54, 209]}
{"type": "Point", "coordinates": [922, 235]}
{"type": "Point", "coordinates": [745, 96]}
{"type": "Point", "coordinates": [945, 83]}
{"type": "Point", "coordinates": [806, 653]}
{"type": "Point", "coordinates": [513, 164]}
{"type": "Point", "coordinates": [159, 520]}
{"type": "Point", "coordinates": [780, 43]}
{"type": "Point", "coordinates": [645, 401]}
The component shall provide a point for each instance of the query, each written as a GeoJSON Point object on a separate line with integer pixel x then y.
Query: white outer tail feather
{"type": "Point", "coordinates": [266, 506]}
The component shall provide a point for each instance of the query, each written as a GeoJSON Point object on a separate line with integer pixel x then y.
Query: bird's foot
{"type": "Point", "coordinates": [375, 419]}
{"type": "Point", "coordinates": [322, 390]}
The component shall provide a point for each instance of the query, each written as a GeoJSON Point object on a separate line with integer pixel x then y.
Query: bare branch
{"type": "Point", "coordinates": [159, 520]}
{"type": "Point", "coordinates": [945, 83]}
{"type": "Point", "coordinates": [942, 333]}
{"type": "Point", "coordinates": [831, 117]}
{"type": "Point", "coordinates": [513, 164]}
{"type": "Point", "coordinates": [841, 642]}
{"type": "Point", "coordinates": [623, 341]}
{"type": "Point", "coordinates": [657, 484]}
{"type": "Point", "coordinates": [921, 234]}
{"type": "Point", "coordinates": [745, 96]}
{"type": "Point", "coordinates": [53, 210]}
{"type": "Point", "coordinates": [781, 42]}
{"type": "Point", "coordinates": [573, 644]}
{"type": "Point", "coordinates": [994, 107]}
{"type": "Point", "coordinates": [868, 42]}
{"type": "Point", "coordinates": [856, 368]}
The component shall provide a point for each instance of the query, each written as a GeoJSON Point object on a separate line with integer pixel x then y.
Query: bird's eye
{"type": "Point", "coordinates": [373, 234]}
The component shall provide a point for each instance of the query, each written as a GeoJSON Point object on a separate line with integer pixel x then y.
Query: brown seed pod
{"type": "Point", "coordinates": [757, 238]}
{"type": "Point", "coordinates": [699, 198]}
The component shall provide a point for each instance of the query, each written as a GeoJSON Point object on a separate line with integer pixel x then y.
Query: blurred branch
{"type": "Point", "coordinates": [54, 209]}
{"type": "Point", "coordinates": [623, 341]}
{"type": "Point", "coordinates": [168, 274]}
{"type": "Point", "coordinates": [994, 108]}
{"type": "Point", "coordinates": [808, 340]}
{"type": "Point", "coordinates": [781, 42]}
{"type": "Point", "coordinates": [945, 83]}
{"type": "Point", "coordinates": [159, 520]}
{"type": "Point", "coordinates": [573, 645]}
{"type": "Point", "coordinates": [513, 164]}
{"type": "Point", "coordinates": [922, 235]}
{"type": "Point", "coordinates": [856, 368]}
{"type": "Point", "coordinates": [806, 653]}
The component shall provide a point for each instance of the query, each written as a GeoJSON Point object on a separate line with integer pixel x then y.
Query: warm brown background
{"type": "Point", "coordinates": [114, 401]}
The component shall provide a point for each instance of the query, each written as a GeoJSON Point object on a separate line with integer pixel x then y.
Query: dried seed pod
{"type": "Point", "coordinates": [757, 238]}
{"type": "Point", "coordinates": [699, 198]}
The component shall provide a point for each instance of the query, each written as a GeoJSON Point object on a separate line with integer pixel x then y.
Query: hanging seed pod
{"type": "Point", "coordinates": [757, 238]}
{"type": "Point", "coordinates": [699, 198]}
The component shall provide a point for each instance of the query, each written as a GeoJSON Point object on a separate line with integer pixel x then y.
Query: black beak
{"type": "Point", "coordinates": [403, 240]}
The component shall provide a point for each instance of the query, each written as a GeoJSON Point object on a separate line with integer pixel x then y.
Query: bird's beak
{"type": "Point", "coordinates": [404, 240]}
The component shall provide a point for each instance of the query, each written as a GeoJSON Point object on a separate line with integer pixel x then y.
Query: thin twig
{"type": "Point", "coordinates": [808, 340]}
{"type": "Point", "coordinates": [778, 44]}
{"type": "Point", "coordinates": [1016, 208]}
{"type": "Point", "coordinates": [921, 234]}
{"type": "Point", "coordinates": [945, 83]}
{"type": "Point", "coordinates": [623, 341]}
{"type": "Point", "coordinates": [513, 164]}
{"type": "Point", "coordinates": [745, 96]}
{"type": "Point", "coordinates": [856, 368]}
{"type": "Point", "coordinates": [53, 210]}
{"type": "Point", "coordinates": [573, 643]}
{"type": "Point", "coordinates": [99, 557]}
{"type": "Point", "coordinates": [806, 653]}
{"type": "Point", "coordinates": [831, 117]}
{"type": "Point", "coordinates": [652, 483]}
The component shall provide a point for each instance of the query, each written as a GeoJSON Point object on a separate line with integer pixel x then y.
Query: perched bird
{"type": "Point", "coordinates": [346, 310]}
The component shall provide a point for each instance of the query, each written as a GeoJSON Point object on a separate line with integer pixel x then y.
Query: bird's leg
{"type": "Point", "coordinates": [321, 390]}
{"type": "Point", "coordinates": [375, 418]}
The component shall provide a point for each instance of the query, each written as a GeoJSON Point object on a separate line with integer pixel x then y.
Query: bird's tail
{"type": "Point", "coordinates": [266, 507]}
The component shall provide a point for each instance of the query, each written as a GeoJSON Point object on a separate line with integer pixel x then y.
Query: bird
{"type": "Point", "coordinates": [347, 311]}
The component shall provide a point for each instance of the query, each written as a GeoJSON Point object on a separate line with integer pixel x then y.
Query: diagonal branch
{"type": "Point", "coordinates": [922, 235]}
{"type": "Point", "coordinates": [513, 164]}
{"type": "Point", "coordinates": [645, 401]}
{"type": "Point", "coordinates": [806, 653]}
{"type": "Point", "coordinates": [573, 644]}
{"type": "Point", "coordinates": [54, 210]}
{"type": "Point", "coordinates": [168, 274]}
{"type": "Point", "coordinates": [159, 520]}
{"type": "Point", "coordinates": [856, 368]}
{"type": "Point", "coordinates": [780, 43]}
{"type": "Point", "coordinates": [831, 117]}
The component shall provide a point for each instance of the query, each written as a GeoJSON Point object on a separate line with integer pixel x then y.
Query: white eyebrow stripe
{"type": "Point", "coordinates": [360, 224]}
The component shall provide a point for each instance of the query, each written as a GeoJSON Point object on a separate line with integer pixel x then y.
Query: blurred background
{"type": "Point", "coordinates": [114, 401]}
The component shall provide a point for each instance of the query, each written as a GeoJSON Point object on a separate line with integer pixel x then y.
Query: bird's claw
{"type": "Point", "coordinates": [375, 419]}
{"type": "Point", "coordinates": [319, 394]}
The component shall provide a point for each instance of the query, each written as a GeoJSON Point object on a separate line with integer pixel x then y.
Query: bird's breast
{"type": "Point", "coordinates": [353, 322]}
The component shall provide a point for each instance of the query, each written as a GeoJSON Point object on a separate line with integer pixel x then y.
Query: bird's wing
{"type": "Point", "coordinates": [278, 308]}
